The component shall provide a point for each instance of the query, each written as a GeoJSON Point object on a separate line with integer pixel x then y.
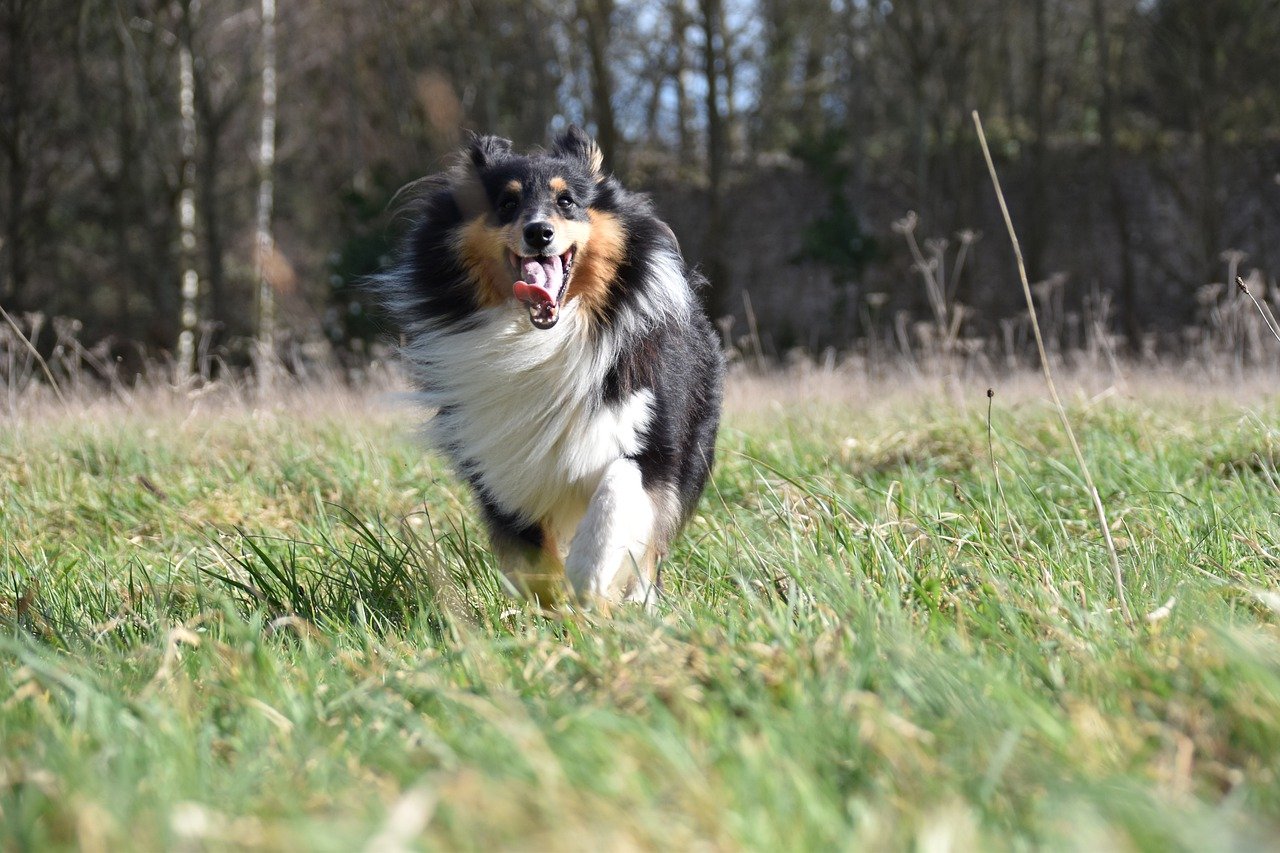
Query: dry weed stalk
{"type": "Point", "coordinates": [53, 383]}
{"type": "Point", "coordinates": [1266, 315]}
{"type": "Point", "coordinates": [940, 288]}
{"type": "Point", "coordinates": [1048, 376]}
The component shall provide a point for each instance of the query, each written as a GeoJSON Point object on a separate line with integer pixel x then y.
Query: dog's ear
{"type": "Point", "coordinates": [484, 151]}
{"type": "Point", "coordinates": [574, 144]}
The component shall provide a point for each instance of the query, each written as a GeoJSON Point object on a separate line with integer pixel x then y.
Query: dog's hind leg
{"type": "Point", "coordinates": [615, 549]}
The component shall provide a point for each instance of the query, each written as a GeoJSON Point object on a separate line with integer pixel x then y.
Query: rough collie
{"type": "Point", "coordinates": [549, 319]}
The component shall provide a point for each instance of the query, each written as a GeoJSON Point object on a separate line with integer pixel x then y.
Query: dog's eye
{"type": "Point", "coordinates": [565, 201]}
{"type": "Point", "coordinates": [507, 204]}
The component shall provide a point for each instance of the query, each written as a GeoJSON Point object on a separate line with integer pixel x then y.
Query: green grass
{"type": "Point", "coordinates": [225, 627]}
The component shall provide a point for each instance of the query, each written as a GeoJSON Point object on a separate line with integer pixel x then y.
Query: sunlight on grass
{"type": "Point", "coordinates": [278, 627]}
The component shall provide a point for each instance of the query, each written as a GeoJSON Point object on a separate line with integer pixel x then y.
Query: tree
{"type": "Point", "coordinates": [126, 203]}
{"type": "Point", "coordinates": [264, 266]}
{"type": "Point", "coordinates": [222, 77]}
{"type": "Point", "coordinates": [35, 126]}
{"type": "Point", "coordinates": [15, 141]}
{"type": "Point", "coordinates": [190, 284]}
{"type": "Point", "coordinates": [1119, 207]}
{"type": "Point", "coordinates": [597, 16]}
{"type": "Point", "coordinates": [711, 21]}
{"type": "Point", "coordinates": [1212, 70]}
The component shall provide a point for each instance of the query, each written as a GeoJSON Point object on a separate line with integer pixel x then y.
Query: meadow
{"type": "Point", "coordinates": [230, 622]}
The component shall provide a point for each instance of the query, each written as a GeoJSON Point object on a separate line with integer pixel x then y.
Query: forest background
{"type": "Point", "coordinates": [815, 157]}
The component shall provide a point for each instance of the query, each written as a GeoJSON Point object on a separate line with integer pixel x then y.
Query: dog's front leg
{"type": "Point", "coordinates": [612, 556]}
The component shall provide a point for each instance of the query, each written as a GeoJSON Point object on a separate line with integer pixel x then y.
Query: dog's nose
{"type": "Point", "coordinates": [539, 234]}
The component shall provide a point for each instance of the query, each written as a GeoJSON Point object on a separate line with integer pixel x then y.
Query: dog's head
{"type": "Point", "coordinates": [532, 231]}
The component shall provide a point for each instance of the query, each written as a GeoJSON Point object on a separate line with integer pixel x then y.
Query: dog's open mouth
{"type": "Point", "coordinates": [542, 286]}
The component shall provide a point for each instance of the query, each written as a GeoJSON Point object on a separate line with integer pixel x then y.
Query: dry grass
{"type": "Point", "coordinates": [233, 622]}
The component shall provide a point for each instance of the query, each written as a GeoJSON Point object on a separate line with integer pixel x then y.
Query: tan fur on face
{"type": "Point", "coordinates": [602, 248]}
{"type": "Point", "coordinates": [482, 248]}
{"type": "Point", "coordinates": [480, 245]}
{"type": "Point", "coordinates": [558, 185]}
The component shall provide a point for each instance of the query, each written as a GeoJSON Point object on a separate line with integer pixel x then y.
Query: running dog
{"type": "Point", "coordinates": [549, 318]}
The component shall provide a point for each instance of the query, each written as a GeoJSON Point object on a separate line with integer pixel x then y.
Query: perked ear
{"type": "Point", "coordinates": [574, 144]}
{"type": "Point", "coordinates": [484, 151]}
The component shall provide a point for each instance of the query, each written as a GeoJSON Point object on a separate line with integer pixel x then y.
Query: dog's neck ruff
{"type": "Point", "coordinates": [520, 409]}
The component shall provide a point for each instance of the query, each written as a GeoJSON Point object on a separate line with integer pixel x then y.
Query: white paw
{"type": "Point", "coordinates": [642, 593]}
{"type": "Point", "coordinates": [618, 580]}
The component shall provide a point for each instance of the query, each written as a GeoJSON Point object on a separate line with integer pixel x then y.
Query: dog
{"type": "Point", "coordinates": [547, 315]}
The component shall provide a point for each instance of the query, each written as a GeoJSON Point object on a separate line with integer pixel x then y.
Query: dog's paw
{"type": "Point", "coordinates": [642, 593]}
{"type": "Point", "coordinates": [626, 588]}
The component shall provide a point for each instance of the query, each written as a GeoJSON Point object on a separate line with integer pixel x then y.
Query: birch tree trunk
{"type": "Point", "coordinates": [266, 195]}
{"type": "Point", "coordinates": [187, 197]}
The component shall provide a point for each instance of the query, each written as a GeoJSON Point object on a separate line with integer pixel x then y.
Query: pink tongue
{"type": "Point", "coordinates": [541, 276]}
{"type": "Point", "coordinates": [532, 294]}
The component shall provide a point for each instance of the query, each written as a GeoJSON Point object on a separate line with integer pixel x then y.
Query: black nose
{"type": "Point", "coordinates": [539, 234]}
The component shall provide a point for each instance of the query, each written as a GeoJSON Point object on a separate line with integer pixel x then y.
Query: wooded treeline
{"type": "Point", "coordinates": [1139, 141]}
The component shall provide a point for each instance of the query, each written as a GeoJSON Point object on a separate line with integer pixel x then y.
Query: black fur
{"type": "Point", "coordinates": [509, 527]}
{"type": "Point", "coordinates": [673, 354]}
{"type": "Point", "coordinates": [428, 258]}
{"type": "Point", "coordinates": [682, 366]}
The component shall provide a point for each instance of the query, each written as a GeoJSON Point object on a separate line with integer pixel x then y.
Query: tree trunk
{"type": "Point", "coordinates": [1119, 207]}
{"type": "Point", "coordinates": [190, 284]}
{"type": "Point", "coordinates": [211, 213]}
{"type": "Point", "coordinates": [773, 88]}
{"type": "Point", "coordinates": [265, 243]}
{"type": "Point", "coordinates": [1037, 204]}
{"type": "Point", "coordinates": [1208, 126]}
{"type": "Point", "coordinates": [811, 118]}
{"type": "Point", "coordinates": [18, 168]}
{"type": "Point", "coordinates": [598, 15]}
{"type": "Point", "coordinates": [857, 116]}
{"type": "Point", "coordinates": [211, 121]}
{"type": "Point", "coordinates": [684, 105]}
{"type": "Point", "coordinates": [713, 243]}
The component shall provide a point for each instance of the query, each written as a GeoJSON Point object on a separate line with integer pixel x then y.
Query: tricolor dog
{"type": "Point", "coordinates": [550, 320]}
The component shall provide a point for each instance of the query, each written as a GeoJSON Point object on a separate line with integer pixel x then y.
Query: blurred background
{"type": "Point", "coordinates": [177, 178]}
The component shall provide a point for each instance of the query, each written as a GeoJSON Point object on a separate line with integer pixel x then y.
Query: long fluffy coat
{"type": "Point", "coordinates": [582, 404]}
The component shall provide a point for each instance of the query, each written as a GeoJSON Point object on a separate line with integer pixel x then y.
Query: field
{"type": "Point", "coordinates": [892, 624]}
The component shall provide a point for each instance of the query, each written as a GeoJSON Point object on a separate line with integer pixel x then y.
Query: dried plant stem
{"type": "Point", "coordinates": [53, 383]}
{"type": "Point", "coordinates": [1266, 315]}
{"type": "Point", "coordinates": [1048, 376]}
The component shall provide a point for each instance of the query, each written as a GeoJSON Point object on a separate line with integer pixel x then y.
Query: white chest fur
{"type": "Point", "coordinates": [522, 409]}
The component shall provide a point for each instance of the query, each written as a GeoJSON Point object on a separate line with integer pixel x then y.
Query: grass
{"type": "Point", "coordinates": [276, 627]}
